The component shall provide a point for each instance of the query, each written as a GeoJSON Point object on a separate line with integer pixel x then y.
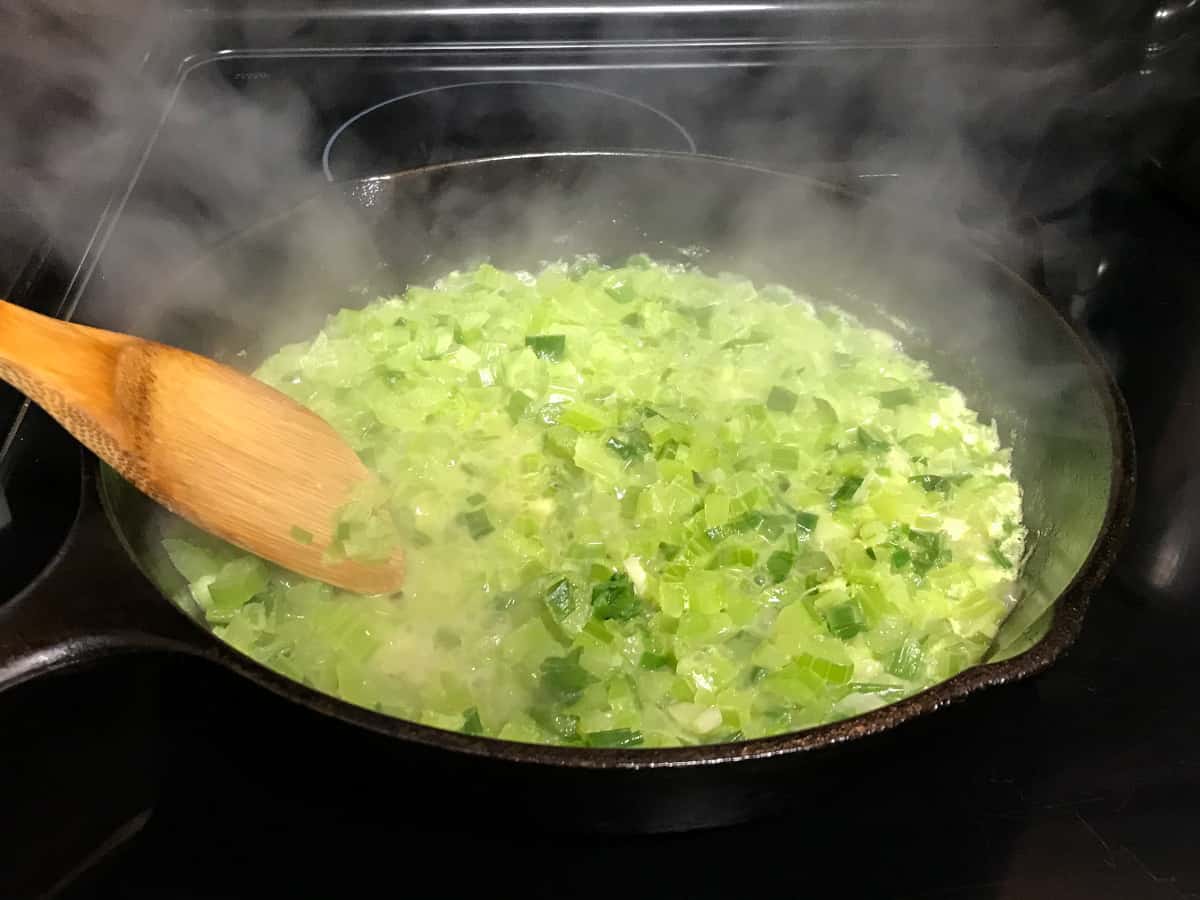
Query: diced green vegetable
{"type": "Point", "coordinates": [547, 346]}
{"type": "Point", "coordinates": [723, 514]}
{"type": "Point", "coordinates": [614, 598]}
{"type": "Point", "coordinates": [564, 678]}
{"type": "Point", "coordinates": [898, 397]}
{"type": "Point", "coordinates": [846, 491]}
{"type": "Point", "coordinates": [781, 399]}
{"type": "Point", "coordinates": [779, 564]}
{"type": "Point", "coordinates": [471, 723]}
{"type": "Point", "coordinates": [477, 523]}
{"type": "Point", "coordinates": [614, 737]}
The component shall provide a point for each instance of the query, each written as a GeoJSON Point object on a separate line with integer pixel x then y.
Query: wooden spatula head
{"type": "Point", "coordinates": [217, 447]}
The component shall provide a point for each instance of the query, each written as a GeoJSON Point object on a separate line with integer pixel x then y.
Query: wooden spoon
{"type": "Point", "coordinates": [230, 454]}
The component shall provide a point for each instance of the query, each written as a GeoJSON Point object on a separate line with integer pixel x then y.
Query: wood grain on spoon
{"type": "Point", "coordinates": [230, 454]}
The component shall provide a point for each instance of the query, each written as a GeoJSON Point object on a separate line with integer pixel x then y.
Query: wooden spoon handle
{"type": "Point", "coordinates": [220, 448]}
{"type": "Point", "coordinates": [71, 371]}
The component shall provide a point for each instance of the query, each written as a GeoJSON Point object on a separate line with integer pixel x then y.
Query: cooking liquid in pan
{"type": "Point", "coordinates": [641, 506]}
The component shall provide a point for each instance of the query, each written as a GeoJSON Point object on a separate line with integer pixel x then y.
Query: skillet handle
{"type": "Point", "coordinates": [89, 603]}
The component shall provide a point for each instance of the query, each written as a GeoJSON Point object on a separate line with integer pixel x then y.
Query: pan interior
{"type": "Point", "coordinates": [977, 326]}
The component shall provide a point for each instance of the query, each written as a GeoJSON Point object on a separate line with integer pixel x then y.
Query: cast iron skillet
{"type": "Point", "coordinates": [978, 325]}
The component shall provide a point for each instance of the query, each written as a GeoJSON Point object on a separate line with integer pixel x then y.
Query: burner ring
{"type": "Point", "coordinates": [667, 126]}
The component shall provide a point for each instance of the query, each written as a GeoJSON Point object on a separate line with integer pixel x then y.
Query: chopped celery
{"type": "Point", "coordinates": [718, 515]}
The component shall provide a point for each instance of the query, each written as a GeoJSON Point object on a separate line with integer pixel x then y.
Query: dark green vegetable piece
{"type": "Point", "coordinates": [624, 292]}
{"type": "Point", "coordinates": [752, 339]}
{"type": "Point", "coordinates": [615, 599]}
{"type": "Point", "coordinates": [633, 445]}
{"type": "Point", "coordinates": [900, 559]}
{"type": "Point", "coordinates": [870, 441]}
{"type": "Point", "coordinates": [846, 491]}
{"type": "Point", "coordinates": [547, 346]}
{"type": "Point", "coordinates": [780, 399]}
{"type": "Point", "coordinates": [931, 550]}
{"type": "Point", "coordinates": [898, 397]}
{"type": "Point", "coordinates": [805, 523]}
{"type": "Point", "coordinates": [477, 523]}
{"type": "Point", "coordinates": [616, 737]}
{"type": "Point", "coordinates": [518, 403]}
{"type": "Point", "coordinates": [905, 660]}
{"type": "Point", "coordinates": [998, 556]}
{"type": "Point", "coordinates": [779, 564]}
{"type": "Point", "coordinates": [931, 482]}
{"type": "Point", "coordinates": [471, 723]}
{"type": "Point", "coordinates": [651, 661]}
{"type": "Point", "coordinates": [561, 725]}
{"type": "Point", "coordinates": [701, 315]}
{"type": "Point", "coordinates": [476, 499]}
{"type": "Point", "coordinates": [845, 620]}
{"type": "Point", "coordinates": [563, 678]}
{"type": "Point", "coordinates": [560, 599]}
{"type": "Point", "coordinates": [301, 536]}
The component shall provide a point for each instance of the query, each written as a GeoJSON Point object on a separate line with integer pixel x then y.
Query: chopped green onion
{"type": "Point", "coordinates": [845, 493]}
{"type": "Point", "coordinates": [870, 441]}
{"type": "Point", "coordinates": [615, 599]}
{"type": "Point", "coordinates": [471, 723]}
{"type": "Point", "coordinates": [779, 565]}
{"type": "Point", "coordinates": [518, 403]}
{"type": "Point", "coordinates": [633, 445]}
{"type": "Point", "coordinates": [780, 399]}
{"type": "Point", "coordinates": [651, 661]}
{"type": "Point", "coordinates": [615, 737]}
{"type": "Point", "coordinates": [806, 523]}
{"type": "Point", "coordinates": [560, 599]}
{"type": "Point", "coordinates": [898, 397]}
{"type": "Point", "coordinates": [547, 346]}
{"type": "Point", "coordinates": [563, 726]}
{"type": "Point", "coordinates": [931, 482]}
{"type": "Point", "coordinates": [564, 678]}
{"type": "Point", "coordinates": [845, 620]}
{"type": "Point", "coordinates": [998, 556]}
{"type": "Point", "coordinates": [477, 523]}
{"type": "Point", "coordinates": [906, 659]}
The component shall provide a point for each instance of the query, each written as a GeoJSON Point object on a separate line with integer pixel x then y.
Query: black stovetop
{"type": "Point", "coordinates": [150, 778]}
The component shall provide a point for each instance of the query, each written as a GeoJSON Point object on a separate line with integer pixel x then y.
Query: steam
{"type": "Point", "coordinates": [938, 115]}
